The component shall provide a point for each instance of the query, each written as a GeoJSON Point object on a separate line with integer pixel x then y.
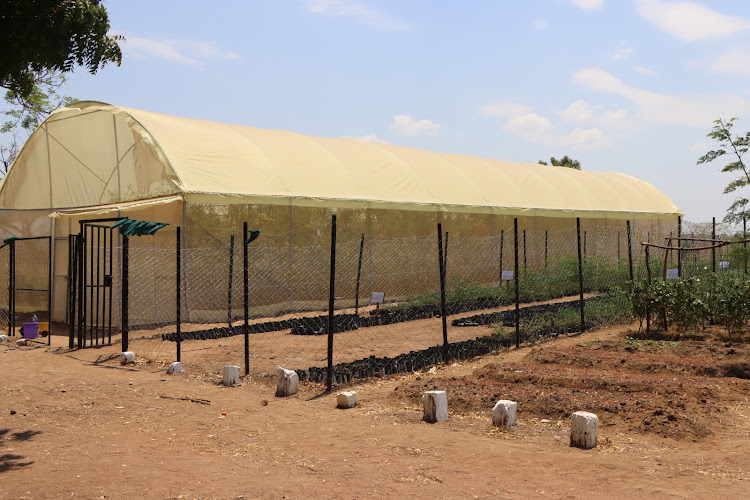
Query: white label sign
{"type": "Point", "coordinates": [724, 265]}
{"type": "Point", "coordinates": [672, 274]}
{"type": "Point", "coordinates": [377, 297]}
{"type": "Point", "coordinates": [507, 276]}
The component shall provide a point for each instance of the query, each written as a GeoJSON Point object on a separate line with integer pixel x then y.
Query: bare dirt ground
{"type": "Point", "coordinates": [675, 423]}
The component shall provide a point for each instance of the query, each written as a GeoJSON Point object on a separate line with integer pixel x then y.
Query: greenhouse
{"type": "Point", "coordinates": [93, 160]}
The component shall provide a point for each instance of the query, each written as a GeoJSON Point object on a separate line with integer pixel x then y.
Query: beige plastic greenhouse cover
{"type": "Point", "coordinates": [91, 154]}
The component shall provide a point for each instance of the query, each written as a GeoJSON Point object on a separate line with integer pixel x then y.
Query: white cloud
{"type": "Point", "coordinates": [368, 138]}
{"type": "Point", "coordinates": [539, 25]}
{"type": "Point", "coordinates": [186, 52]}
{"type": "Point", "coordinates": [360, 12]}
{"type": "Point", "coordinates": [732, 62]}
{"type": "Point", "coordinates": [622, 51]}
{"type": "Point", "coordinates": [664, 108]}
{"type": "Point", "coordinates": [531, 127]}
{"type": "Point", "coordinates": [588, 4]}
{"type": "Point", "coordinates": [505, 109]}
{"type": "Point", "coordinates": [690, 21]}
{"type": "Point", "coordinates": [644, 70]}
{"type": "Point", "coordinates": [581, 112]}
{"type": "Point", "coordinates": [405, 125]}
{"type": "Point", "coordinates": [587, 139]}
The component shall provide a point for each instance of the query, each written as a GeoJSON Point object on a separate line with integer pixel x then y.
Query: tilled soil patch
{"type": "Point", "coordinates": [680, 390]}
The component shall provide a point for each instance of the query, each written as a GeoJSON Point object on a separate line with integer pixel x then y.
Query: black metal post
{"type": "Point", "coordinates": [71, 289]}
{"type": "Point", "coordinates": [12, 290]}
{"type": "Point", "coordinates": [231, 275]}
{"type": "Point", "coordinates": [441, 266]}
{"type": "Point", "coordinates": [630, 252]}
{"type": "Point", "coordinates": [524, 250]}
{"type": "Point", "coordinates": [125, 290]}
{"type": "Point", "coordinates": [246, 298]}
{"type": "Point", "coordinates": [713, 250]}
{"type": "Point", "coordinates": [679, 246]}
{"type": "Point", "coordinates": [546, 246]}
{"type": "Point", "coordinates": [359, 274]}
{"type": "Point", "coordinates": [96, 284]}
{"type": "Point", "coordinates": [178, 312]}
{"type": "Point", "coordinates": [49, 292]}
{"type": "Point", "coordinates": [331, 304]}
{"type": "Point", "coordinates": [517, 288]}
{"type": "Point", "coordinates": [580, 274]}
{"type": "Point", "coordinates": [81, 290]}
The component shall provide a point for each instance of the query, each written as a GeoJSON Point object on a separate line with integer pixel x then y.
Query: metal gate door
{"type": "Point", "coordinates": [92, 267]}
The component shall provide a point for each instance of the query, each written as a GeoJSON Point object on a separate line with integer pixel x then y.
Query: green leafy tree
{"type": "Point", "coordinates": [735, 146]}
{"type": "Point", "coordinates": [42, 36]}
{"type": "Point", "coordinates": [25, 113]}
{"type": "Point", "coordinates": [565, 161]}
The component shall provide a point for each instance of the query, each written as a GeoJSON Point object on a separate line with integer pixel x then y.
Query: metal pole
{"type": "Point", "coordinates": [71, 289]}
{"type": "Point", "coordinates": [630, 252]}
{"type": "Point", "coordinates": [524, 250]}
{"type": "Point", "coordinates": [679, 246]}
{"type": "Point", "coordinates": [96, 283]}
{"type": "Point", "coordinates": [49, 292]}
{"type": "Point", "coordinates": [125, 290]}
{"type": "Point", "coordinates": [618, 246]}
{"type": "Point", "coordinates": [517, 288]}
{"type": "Point", "coordinates": [648, 277]}
{"type": "Point", "coordinates": [178, 312]}
{"type": "Point", "coordinates": [359, 274]}
{"type": "Point", "coordinates": [713, 250]}
{"type": "Point", "coordinates": [81, 290]}
{"type": "Point", "coordinates": [12, 289]}
{"type": "Point", "coordinates": [580, 275]}
{"type": "Point", "coordinates": [246, 298]}
{"type": "Point", "coordinates": [441, 266]}
{"type": "Point", "coordinates": [546, 246]}
{"type": "Point", "coordinates": [331, 304]}
{"type": "Point", "coordinates": [231, 274]}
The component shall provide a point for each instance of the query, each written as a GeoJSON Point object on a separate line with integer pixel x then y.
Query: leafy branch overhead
{"type": "Point", "coordinates": [735, 146]}
{"type": "Point", "coordinates": [41, 36]}
{"type": "Point", "coordinates": [24, 114]}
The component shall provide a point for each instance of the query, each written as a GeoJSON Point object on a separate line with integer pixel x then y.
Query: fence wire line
{"type": "Point", "coordinates": [289, 285]}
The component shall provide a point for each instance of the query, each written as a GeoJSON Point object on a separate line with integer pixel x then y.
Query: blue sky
{"type": "Point", "coordinates": [628, 86]}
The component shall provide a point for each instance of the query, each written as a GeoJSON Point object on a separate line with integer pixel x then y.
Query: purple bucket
{"type": "Point", "coordinates": [30, 330]}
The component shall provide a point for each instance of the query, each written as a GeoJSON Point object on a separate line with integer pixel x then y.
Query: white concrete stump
{"type": "Point", "coordinates": [435, 406]}
{"type": "Point", "coordinates": [3, 339]}
{"type": "Point", "coordinates": [504, 413]}
{"type": "Point", "coordinates": [287, 383]}
{"type": "Point", "coordinates": [346, 399]}
{"type": "Point", "coordinates": [175, 367]}
{"type": "Point", "coordinates": [21, 342]}
{"type": "Point", "coordinates": [583, 429]}
{"type": "Point", "coordinates": [127, 358]}
{"type": "Point", "coordinates": [231, 375]}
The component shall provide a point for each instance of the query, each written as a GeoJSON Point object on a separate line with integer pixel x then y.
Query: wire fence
{"type": "Point", "coordinates": [381, 306]}
{"type": "Point", "coordinates": [387, 308]}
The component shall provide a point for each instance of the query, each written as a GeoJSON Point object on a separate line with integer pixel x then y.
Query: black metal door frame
{"type": "Point", "coordinates": [90, 282]}
{"type": "Point", "coordinates": [12, 289]}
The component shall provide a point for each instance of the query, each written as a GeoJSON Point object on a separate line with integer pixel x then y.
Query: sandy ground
{"type": "Point", "coordinates": [76, 424]}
